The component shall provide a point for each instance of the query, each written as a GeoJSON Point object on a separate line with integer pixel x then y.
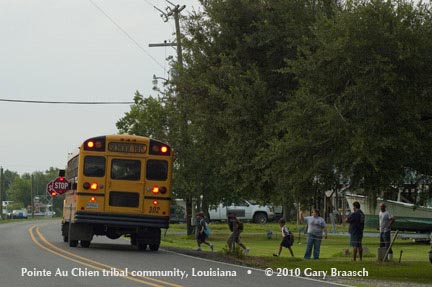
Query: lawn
{"type": "Point", "coordinates": [414, 266]}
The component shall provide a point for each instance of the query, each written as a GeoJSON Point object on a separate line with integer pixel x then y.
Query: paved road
{"type": "Point", "coordinates": [32, 253]}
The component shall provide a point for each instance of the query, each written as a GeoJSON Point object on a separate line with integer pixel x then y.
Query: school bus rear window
{"type": "Point", "coordinates": [125, 169]}
{"type": "Point", "coordinates": [94, 166]}
{"type": "Point", "coordinates": [157, 169]}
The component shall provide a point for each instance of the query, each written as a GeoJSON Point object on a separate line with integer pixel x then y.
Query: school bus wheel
{"type": "Point", "coordinates": [141, 245]}
{"type": "Point", "coordinates": [154, 247]}
{"type": "Point", "coordinates": [85, 243]}
{"type": "Point", "coordinates": [73, 243]}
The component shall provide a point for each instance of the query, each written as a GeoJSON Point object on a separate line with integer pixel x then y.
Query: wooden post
{"type": "Point", "coordinates": [391, 244]}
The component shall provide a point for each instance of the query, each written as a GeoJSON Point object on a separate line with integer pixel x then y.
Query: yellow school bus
{"type": "Point", "coordinates": [120, 185]}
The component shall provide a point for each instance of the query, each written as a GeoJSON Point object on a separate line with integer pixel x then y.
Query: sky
{"type": "Point", "coordinates": [74, 51]}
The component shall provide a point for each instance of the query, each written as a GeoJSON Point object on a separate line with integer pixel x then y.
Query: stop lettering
{"type": "Point", "coordinates": [60, 185]}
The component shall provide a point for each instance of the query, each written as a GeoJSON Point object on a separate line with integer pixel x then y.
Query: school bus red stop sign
{"type": "Point", "coordinates": [58, 186]}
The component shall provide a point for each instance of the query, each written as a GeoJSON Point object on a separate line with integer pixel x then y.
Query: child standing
{"type": "Point", "coordinates": [288, 238]}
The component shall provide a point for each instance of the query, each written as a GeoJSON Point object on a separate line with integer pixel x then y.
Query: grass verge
{"type": "Point", "coordinates": [336, 255]}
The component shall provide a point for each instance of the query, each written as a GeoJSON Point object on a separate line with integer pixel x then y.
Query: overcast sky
{"type": "Point", "coordinates": [69, 50]}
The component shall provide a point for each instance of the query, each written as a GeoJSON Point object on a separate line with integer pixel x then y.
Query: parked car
{"type": "Point", "coordinates": [18, 213]}
{"type": "Point", "coordinates": [244, 210]}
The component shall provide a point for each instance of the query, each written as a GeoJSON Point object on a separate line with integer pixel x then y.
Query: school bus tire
{"type": "Point", "coordinates": [154, 247]}
{"type": "Point", "coordinates": [65, 238]}
{"type": "Point", "coordinates": [133, 239]}
{"type": "Point", "coordinates": [141, 246]}
{"type": "Point", "coordinates": [85, 243]}
{"type": "Point", "coordinates": [73, 243]}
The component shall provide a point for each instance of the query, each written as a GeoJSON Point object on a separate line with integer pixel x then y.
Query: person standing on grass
{"type": "Point", "coordinates": [386, 220]}
{"type": "Point", "coordinates": [201, 236]}
{"type": "Point", "coordinates": [236, 227]}
{"type": "Point", "coordinates": [356, 226]}
{"type": "Point", "coordinates": [316, 226]}
{"type": "Point", "coordinates": [287, 238]}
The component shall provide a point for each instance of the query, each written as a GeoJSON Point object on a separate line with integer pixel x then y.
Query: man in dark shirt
{"type": "Point", "coordinates": [356, 221]}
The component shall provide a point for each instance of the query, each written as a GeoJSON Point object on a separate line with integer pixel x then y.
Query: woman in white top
{"type": "Point", "coordinates": [316, 227]}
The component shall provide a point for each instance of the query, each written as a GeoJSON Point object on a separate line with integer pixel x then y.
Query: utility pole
{"type": "Point", "coordinates": [176, 14]}
{"type": "Point", "coordinates": [1, 192]}
{"type": "Point", "coordinates": [175, 11]}
{"type": "Point", "coordinates": [32, 195]}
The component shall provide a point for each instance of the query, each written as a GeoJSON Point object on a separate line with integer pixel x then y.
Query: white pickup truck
{"type": "Point", "coordinates": [244, 210]}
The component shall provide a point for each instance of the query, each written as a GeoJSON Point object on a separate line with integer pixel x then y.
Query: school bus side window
{"type": "Point", "coordinates": [125, 169]}
{"type": "Point", "coordinates": [94, 166]}
{"type": "Point", "coordinates": [157, 169]}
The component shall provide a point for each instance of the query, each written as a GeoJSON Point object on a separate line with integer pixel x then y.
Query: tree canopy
{"type": "Point", "coordinates": [284, 99]}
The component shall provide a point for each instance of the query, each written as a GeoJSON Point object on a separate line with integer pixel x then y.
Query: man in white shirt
{"type": "Point", "coordinates": [385, 222]}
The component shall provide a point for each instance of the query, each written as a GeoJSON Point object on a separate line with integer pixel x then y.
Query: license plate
{"type": "Point", "coordinates": [92, 205]}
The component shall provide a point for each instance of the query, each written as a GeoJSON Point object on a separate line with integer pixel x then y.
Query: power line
{"type": "Point", "coordinates": [66, 102]}
{"type": "Point", "coordinates": [126, 33]}
{"type": "Point", "coordinates": [149, 3]}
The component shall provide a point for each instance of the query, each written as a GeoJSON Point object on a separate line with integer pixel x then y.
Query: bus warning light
{"type": "Point", "coordinates": [155, 202]}
{"type": "Point", "coordinates": [93, 186]}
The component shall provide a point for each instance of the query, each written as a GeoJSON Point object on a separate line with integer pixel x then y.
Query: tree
{"type": "Point", "coordinates": [8, 178]}
{"type": "Point", "coordinates": [364, 84]}
{"type": "Point", "coordinates": [282, 100]}
{"type": "Point", "coordinates": [234, 51]}
{"type": "Point", "coordinates": [20, 189]}
{"type": "Point", "coordinates": [147, 117]}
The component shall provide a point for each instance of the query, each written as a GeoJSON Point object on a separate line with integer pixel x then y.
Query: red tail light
{"type": "Point", "coordinates": [155, 189]}
{"type": "Point", "coordinates": [91, 186]}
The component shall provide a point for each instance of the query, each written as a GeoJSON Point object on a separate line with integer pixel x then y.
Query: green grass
{"type": "Point", "coordinates": [414, 266]}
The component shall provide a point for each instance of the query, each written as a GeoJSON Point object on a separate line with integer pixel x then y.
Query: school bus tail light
{"type": "Point", "coordinates": [90, 185]}
{"type": "Point", "coordinates": [155, 202]}
{"type": "Point", "coordinates": [155, 189]}
{"type": "Point", "coordinates": [92, 199]}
